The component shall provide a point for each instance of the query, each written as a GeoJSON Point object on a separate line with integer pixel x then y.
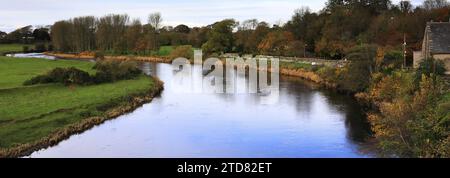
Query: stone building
{"type": "Point", "coordinates": [436, 44]}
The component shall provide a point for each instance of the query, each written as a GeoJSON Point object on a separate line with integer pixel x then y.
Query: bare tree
{"type": "Point", "coordinates": [250, 24]}
{"type": "Point", "coordinates": [155, 20]}
{"type": "Point", "coordinates": [435, 4]}
{"type": "Point", "coordinates": [406, 6]}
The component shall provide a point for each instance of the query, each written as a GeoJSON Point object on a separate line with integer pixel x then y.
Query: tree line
{"type": "Point", "coordinates": [26, 35]}
{"type": "Point", "coordinates": [330, 33]}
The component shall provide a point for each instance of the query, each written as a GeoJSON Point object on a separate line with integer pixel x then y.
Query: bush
{"type": "Point", "coordinates": [40, 47]}
{"type": "Point", "coordinates": [357, 76]}
{"type": "Point", "coordinates": [387, 88]}
{"type": "Point", "coordinates": [185, 51]}
{"type": "Point", "coordinates": [107, 71]}
{"type": "Point", "coordinates": [427, 67]}
{"type": "Point", "coordinates": [25, 49]}
{"type": "Point", "coordinates": [129, 70]}
{"type": "Point", "coordinates": [50, 47]}
{"type": "Point", "coordinates": [392, 60]}
{"type": "Point", "coordinates": [99, 55]}
{"type": "Point", "coordinates": [413, 124]}
{"type": "Point", "coordinates": [328, 74]}
{"type": "Point", "coordinates": [113, 70]}
{"type": "Point", "coordinates": [68, 76]}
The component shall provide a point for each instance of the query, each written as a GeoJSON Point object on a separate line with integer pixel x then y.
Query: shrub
{"type": "Point", "coordinates": [185, 51]}
{"type": "Point", "coordinates": [107, 71]}
{"type": "Point", "coordinates": [113, 70]}
{"type": "Point", "coordinates": [129, 70]}
{"type": "Point", "coordinates": [357, 76]}
{"type": "Point", "coordinates": [427, 67]}
{"type": "Point", "coordinates": [40, 47]}
{"type": "Point", "coordinates": [50, 47]}
{"type": "Point", "coordinates": [327, 73]}
{"type": "Point", "coordinates": [67, 76]}
{"type": "Point", "coordinates": [392, 60]}
{"type": "Point", "coordinates": [387, 88]}
{"type": "Point", "coordinates": [25, 49]}
{"type": "Point", "coordinates": [414, 125]}
{"type": "Point", "coordinates": [99, 55]}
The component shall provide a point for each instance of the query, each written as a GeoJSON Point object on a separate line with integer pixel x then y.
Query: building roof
{"type": "Point", "coordinates": [439, 34]}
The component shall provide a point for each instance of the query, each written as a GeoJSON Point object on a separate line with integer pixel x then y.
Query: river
{"type": "Point", "coordinates": [307, 122]}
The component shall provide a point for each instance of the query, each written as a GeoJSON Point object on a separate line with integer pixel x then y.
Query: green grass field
{"type": "Point", "coordinates": [14, 71]}
{"type": "Point", "coordinates": [28, 114]}
{"type": "Point", "coordinates": [12, 48]}
{"type": "Point", "coordinates": [163, 51]}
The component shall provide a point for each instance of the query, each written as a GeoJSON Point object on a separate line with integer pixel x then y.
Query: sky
{"type": "Point", "coordinates": [18, 13]}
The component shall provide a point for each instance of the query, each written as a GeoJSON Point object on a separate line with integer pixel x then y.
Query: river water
{"type": "Point", "coordinates": [306, 122]}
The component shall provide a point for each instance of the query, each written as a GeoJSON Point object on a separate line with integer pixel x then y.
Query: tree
{"type": "Point", "coordinates": [182, 29]}
{"type": "Point", "coordinates": [132, 36]}
{"type": "Point", "coordinates": [110, 32]}
{"type": "Point", "coordinates": [220, 38]}
{"type": "Point", "coordinates": [155, 20]}
{"type": "Point", "coordinates": [435, 4]}
{"type": "Point", "coordinates": [41, 34]}
{"type": "Point", "coordinates": [362, 65]}
{"type": "Point", "coordinates": [250, 24]}
{"type": "Point", "coordinates": [411, 125]}
{"type": "Point", "coordinates": [21, 35]}
{"type": "Point", "coordinates": [299, 23]}
{"type": "Point", "coordinates": [198, 36]}
{"type": "Point", "coordinates": [333, 4]}
{"type": "Point", "coordinates": [83, 29]}
{"type": "Point", "coordinates": [61, 38]}
{"type": "Point", "coordinates": [258, 35]}
{"type": "Point", "coordinates": [406, 6]}
{"type": "Point", "coordinates": [243, 43]}
{"type": "Point", "coordinates": [306, 27]}
{"type": "Point", "coordinates": [3, 37]}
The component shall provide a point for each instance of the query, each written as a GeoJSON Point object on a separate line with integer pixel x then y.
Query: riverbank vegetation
{"type": "Point", "coordinates": [411, 120]}
{"type": "Point", "coordinates": [37, 116]}
{"type": "Point", "coordinates": [107, 71]}
{"type": "Point", "coordinates": [330, 33]}
{"type": "Point", "coordinates": [408, 108]}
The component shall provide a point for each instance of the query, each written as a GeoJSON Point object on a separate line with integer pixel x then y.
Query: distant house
{"type": "Point", "coordinates": [436, 44]}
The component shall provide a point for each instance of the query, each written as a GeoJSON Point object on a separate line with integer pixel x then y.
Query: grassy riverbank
{"type": "Point", "coordinates": [7, 48]}
{"type": "Point", "coordinates": [31, 116]}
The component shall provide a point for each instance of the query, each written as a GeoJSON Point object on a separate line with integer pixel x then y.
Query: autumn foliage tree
{"type": "Point", "coordinates": [281, 43]}
{"type": "Point", "coordinates": [411, 123]}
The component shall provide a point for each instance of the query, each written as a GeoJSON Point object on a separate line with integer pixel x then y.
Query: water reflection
{"type": "Point", "coordinates": [306, 122]}
{"type": "Point", "coordinates": [31, 55]}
